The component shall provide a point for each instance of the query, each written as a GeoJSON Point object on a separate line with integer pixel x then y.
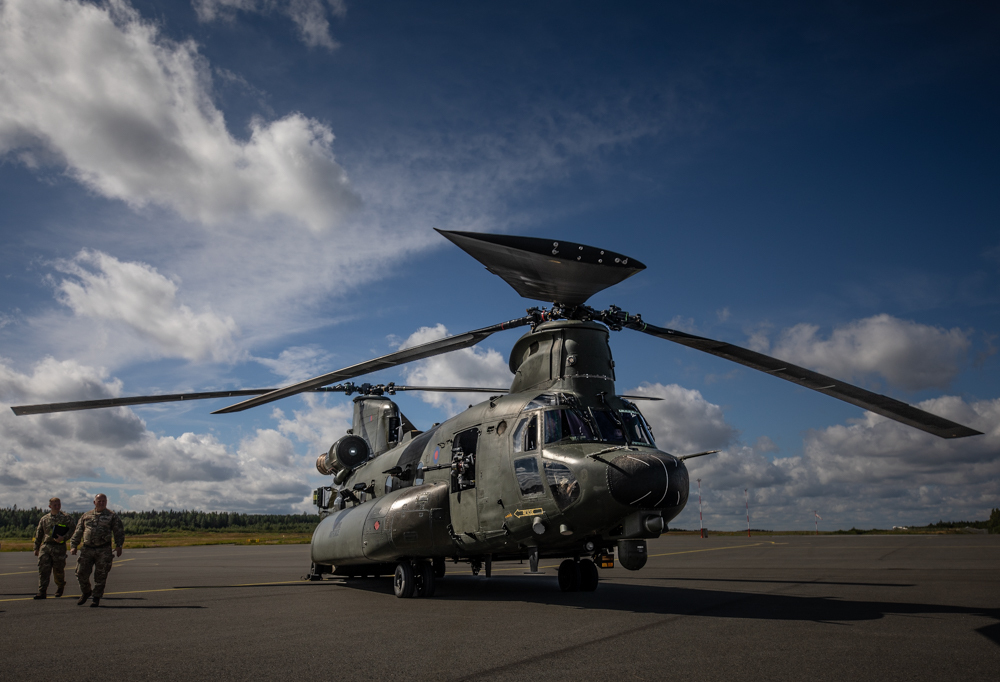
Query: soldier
{"type": "Point", "coordinates": [50, 547]}
{"type": "Point", "coordinates": [96, 528]}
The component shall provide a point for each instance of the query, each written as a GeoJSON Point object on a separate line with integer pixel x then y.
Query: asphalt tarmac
{"type": "Point", "coordinates": [721, 608]}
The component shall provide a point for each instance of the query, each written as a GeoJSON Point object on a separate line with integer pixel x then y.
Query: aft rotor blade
{"type": "Point", "coordinates": [401, 357]}
{"type": "Point", "coordinates": [451, 389]}
{"type": "Point", "coordinates": [22, 410]}
{"type": "Point", "coordinates": [480, 389]}
{"type": "Point", "coordinates": [877, 403]}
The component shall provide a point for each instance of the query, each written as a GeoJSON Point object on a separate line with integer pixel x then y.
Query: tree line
{"type": "Point", "coordinates": [21, 523]}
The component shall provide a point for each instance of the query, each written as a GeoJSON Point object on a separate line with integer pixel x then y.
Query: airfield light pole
{"type": "Point", "coordinates": [701, 522]}
{"type": "Point", "coordinates": [746, 495]}
{"type": "Point", "coordinates": [817, 520]}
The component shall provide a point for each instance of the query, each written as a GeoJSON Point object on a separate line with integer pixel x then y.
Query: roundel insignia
{"type": "Point", "coordinates": [436, 453]}
{"type": "Point", "coordinates": [377, 525]}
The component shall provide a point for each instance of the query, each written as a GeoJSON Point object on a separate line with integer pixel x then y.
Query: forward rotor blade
{"type": "Point", "coordinates": [879, 404]}
{"type": "Point", "coordinates": [401, 357]}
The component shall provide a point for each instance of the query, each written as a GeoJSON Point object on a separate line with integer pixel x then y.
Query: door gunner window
{"type": "Point", "coordinates": [463, 460]}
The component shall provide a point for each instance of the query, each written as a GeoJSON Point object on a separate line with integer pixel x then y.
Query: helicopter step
{"type": "Point", "coordinates": [578, 576]}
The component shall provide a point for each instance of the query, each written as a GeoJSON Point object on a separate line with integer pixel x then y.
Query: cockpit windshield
{"type": "Point", "coordinates": [568, 425]}
{"type": "Point", "coordinates": [564, 420]}
{"type": "Point", "coordinates": [635, 428]}
{"type": "Point", "coordinates": [611, 427]}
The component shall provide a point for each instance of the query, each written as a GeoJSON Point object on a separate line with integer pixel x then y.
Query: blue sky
{"type": "Point", "coordinates": [240, 193]}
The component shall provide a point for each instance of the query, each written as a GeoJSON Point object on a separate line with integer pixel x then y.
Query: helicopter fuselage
{"type": "Point", "coordinates": [559, 467]}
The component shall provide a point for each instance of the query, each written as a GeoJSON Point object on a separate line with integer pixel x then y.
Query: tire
{"type": "Point", "coordinates": [569, 576]}
{"type": "Point", "coordinates": [439, 567]}
{"type": "Point", "coordinates": [402, 581]}
{"type": "Point", "coordinates": [426, 583]}
{"type": "Point", "coordinates": [588, 576]}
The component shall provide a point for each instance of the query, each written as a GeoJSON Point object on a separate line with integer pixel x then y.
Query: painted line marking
{"type": "Point", "coordinates": [119, 561]}
{"type": "Point", "coordinates": [170, 589]}
{"type": "Point", "coordinates": [715, 549]}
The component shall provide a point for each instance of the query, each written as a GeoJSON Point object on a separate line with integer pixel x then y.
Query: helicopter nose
{"type": "Point", "coordinates": [648, 480]}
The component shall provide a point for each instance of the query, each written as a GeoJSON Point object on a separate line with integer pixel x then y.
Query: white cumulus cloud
{"type": "Point", "coordinates": [102, 287]}
{"type": "Point", "coordinates": [684, 422]}
{"type": "Point", "coordinates": [74, 455]}
{"type": "Point", "coordinates": [129, 114]}
{"type": "Point", "coordinates": [309, 16]}
{"type": "Point", "coordinates": [466, 367]}
{"type": "Point", "coordinates": [907, 354]}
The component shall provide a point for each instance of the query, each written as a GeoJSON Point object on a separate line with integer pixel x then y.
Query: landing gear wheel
{"type": "Point", "coordinates": [439, 568]}
{"type": "Point", "coordinates": [569, 576]}
{"type": "Point", "coordinates": [425, 579]}
{"type": "Point", "coordinates": [588, 576]}
{"type": "Point", "coordinates": [403, 582]}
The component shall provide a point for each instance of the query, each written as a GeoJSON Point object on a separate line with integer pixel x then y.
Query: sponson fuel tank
{"type": "Point", "coordinates": [408, 522]}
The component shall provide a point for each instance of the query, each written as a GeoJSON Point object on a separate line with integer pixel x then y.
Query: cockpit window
{"type": "Point", "coordinates": [567, 425]}
{"type": "Point", "coordinates": [526, 434]}
{"type": "Point", "coordinates": [622, 426]}
{"type": "Point", "coordinates": [543, 400]}
{"type": "Point", "coordinates": [563, 484]}
{"type": "Point", "coordinates": [611, 427]}
{"type": "Point", "coordinates": [529, 480]}
{"type": "Point", "coordinates": [635, 428]}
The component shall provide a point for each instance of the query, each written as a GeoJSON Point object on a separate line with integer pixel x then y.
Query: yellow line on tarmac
{"type": "Point", "coordinates": [119, 561]}
{"type": "Point", "coordinates": [715, 549]}
{"type": "Point", "coordinates": [168, 589]}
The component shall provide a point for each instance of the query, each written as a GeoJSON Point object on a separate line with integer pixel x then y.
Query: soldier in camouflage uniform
{"type": "Point", "coordinates": [50, 547]}
{"type": "Point", "coordinates": [96, 529]}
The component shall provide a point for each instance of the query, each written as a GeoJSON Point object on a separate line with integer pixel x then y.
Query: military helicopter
{"type": "Point", "coordinates": [557, 466]}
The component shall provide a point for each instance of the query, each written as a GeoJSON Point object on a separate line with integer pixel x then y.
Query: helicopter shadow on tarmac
{"type": "Point", "coordinates": [684, 601]}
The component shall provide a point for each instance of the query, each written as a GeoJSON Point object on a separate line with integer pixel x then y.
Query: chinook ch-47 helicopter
{"type": "Point", "coordinates": [558, 465]}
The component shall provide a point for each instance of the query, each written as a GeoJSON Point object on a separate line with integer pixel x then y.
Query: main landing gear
{"type": "Point", "coordinates": [578, 576]}
{"type": "Point", "coordinates": [414, 579]}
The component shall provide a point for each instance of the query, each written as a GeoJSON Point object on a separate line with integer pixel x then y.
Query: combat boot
{"type": "Point", "coordinates": [40, 595]}
{"type": "Point", "coordinates": [97, 602]}
{"type": "Point", "coordinates": [59, 590]}
{"type": "Point", "coordinates": [82, 600]}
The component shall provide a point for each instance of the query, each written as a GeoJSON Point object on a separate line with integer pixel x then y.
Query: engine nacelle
{"type": "Point", "coordinates": [347, 453]}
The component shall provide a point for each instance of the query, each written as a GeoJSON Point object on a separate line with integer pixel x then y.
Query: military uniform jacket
{"type": "Point", "coordinates": [54, 529]}
{"type": "Point", "coordinates": [97, 529]}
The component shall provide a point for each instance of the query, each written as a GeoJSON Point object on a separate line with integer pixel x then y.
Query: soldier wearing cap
{"type": "Point", "coordinates": [96, 530]}
{"type": "Point", "coordinates": [50, 547]}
